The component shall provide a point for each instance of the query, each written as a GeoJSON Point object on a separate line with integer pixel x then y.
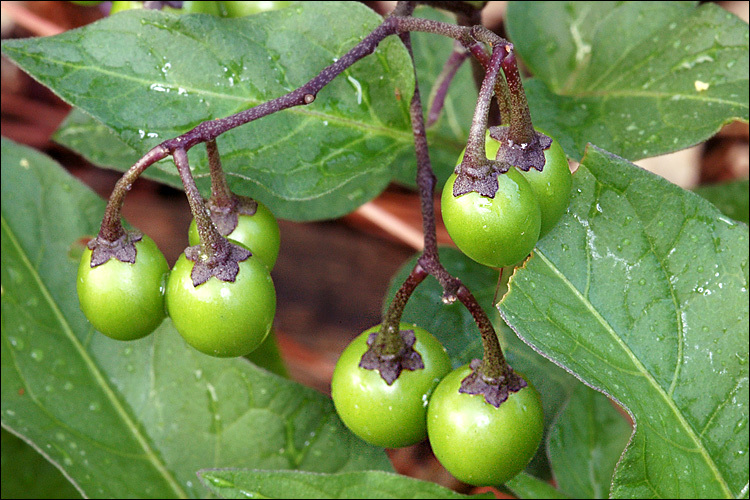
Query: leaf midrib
{"type": "Point", "coordinates": [397, 134]}
{"type": "Point", "coordinates": [656, 95]}
{"type": "Point", "coordinates": [93, 368]}
{"type": "Point", "coordinates": [642, 370]}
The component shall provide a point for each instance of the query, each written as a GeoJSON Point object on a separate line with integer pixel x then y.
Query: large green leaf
{"type": "Point", "coordinates": [97, 143]}
{"type": "Point", "coordinates": [133, 419]}
{"type": "Point", "coordinates": [585, 444]}
{"type": "Point", "coordinates": [636, 78]}
{"type": "Point", "coordinates": [732, 198]}
{"type": "Point", "coordinates": [26, 474]}
{"type": "Point", "coordinates": [295, 484]}
{"type": "Point", "coordinates": [526, 486]}
{"type": "Point", "coordinates": [641, 291]}
{"type": "Point", "coordinates": [150, 76]}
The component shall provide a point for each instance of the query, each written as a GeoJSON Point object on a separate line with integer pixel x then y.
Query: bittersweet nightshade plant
{"type": "Point", "coordinates": [634, 292]}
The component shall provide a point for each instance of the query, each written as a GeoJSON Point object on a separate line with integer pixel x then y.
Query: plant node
{"type": "Point", "coordinates": [223, 263]}
{"type": "Point", "coordinates": [390, 365]}
{"type": "Point", "coordinates": [494, 389]}
{"type": "Point", "coordinates": [122, 249]}
{"type": "Point", "coordinates": [521, 155]}
{"type": "Point", "coordinates": [225, 216]}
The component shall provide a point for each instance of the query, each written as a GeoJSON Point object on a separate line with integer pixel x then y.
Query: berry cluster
{"type": "Point", "coordinates": [483, 420]}
{"type": "Point", "coordinates": [502, 230]}
{"type": "Point", "coordinates": [477, 442]}
{"type": "Point", "coordinates": [395, 384]}
{"type": "Point", "coordinates": [128, 300]}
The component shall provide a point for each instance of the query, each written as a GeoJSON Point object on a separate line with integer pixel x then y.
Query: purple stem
{"type": "Point", "coordinates": [444, 80]}
{"type": "Point", "coordinates": [475, 157]}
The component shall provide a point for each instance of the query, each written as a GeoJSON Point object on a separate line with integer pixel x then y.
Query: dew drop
{"type": "Point", "coordinates": [740, 425]}
{"type": "Point", "coordinates": [17, 343]}
{"type": "Point", "coordinates": [221, 483]}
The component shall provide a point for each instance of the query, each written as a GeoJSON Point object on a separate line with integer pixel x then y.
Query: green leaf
{"type": "Point", "coordinates": [95, 142]}
{"type": "Point", "coordinates": [268, 356]}
{"type": "Point", "coordinates": [26, 474]}
{"type": "Point", "coordinates": [292, 484]}
{"type": "Point", "coordinates": [133, 419]}
{"type": "Point", "coordinates": [732, 198]}
{"type": "Point", "coordinates": [150, 76]}
{"type": "Point", "coordinates": [585, 444]}
{"type": "Point", "coordinates": [639, 79]}
{"type": "Point", "coordinates": [526, 486]}
{"type": "Point", "coordinates": [641, 291]}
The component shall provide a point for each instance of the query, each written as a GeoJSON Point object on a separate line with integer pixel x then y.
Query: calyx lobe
{"type": "Point", "coordinates": [390, 366]}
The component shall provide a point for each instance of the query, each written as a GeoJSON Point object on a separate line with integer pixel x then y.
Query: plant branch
{"type": "Point", "coordinates": [221, 195]}
{"type": "Point", "coordinates": [306, 94]}
{"type": "Point", "coordinates": [494, 364]}
{"type": "Point", "coordinates": [209, 236]}
{"type": "Point", "coordinates": [521, 128]}
{"type": "Point", "coordinates": [209, 130]}
{"type": "Point", "coordinates": [224, 205]}
{"type": "Point", "coordinates": [444, 80]}
{"type": "Point", "coordinates": [476, 172]}
{"type": "Point", "coordinates": [111, 228]}
{"type": "Point", "coordinates": [215, 255]}
{"type": "Point", "coordinates": [388, 342]}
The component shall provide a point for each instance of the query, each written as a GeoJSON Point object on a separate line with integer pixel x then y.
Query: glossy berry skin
{"type": "Point", "coordinates": [202, 7]}
{"type": "Point", "coordinates": [120, 6]}
{"type": "Point", "coordinates": [497, 231]}
{"type": "Point", "coordinates": [551, 185]}
{"type": "Point", "coordinates": [258, 232]}
{"type": "Point", "coordinates": [391, 416]}
{"type": "Point", "coordinates": [221, 318]}
{"type": "Point", "coordinates": [241, 9]}
{"type": "Point", "coordinates": [123, 5]}
{"type": "Point", "coordinates": [478, 443]}
{"type": "Point", "coordinates": [124, 301]}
